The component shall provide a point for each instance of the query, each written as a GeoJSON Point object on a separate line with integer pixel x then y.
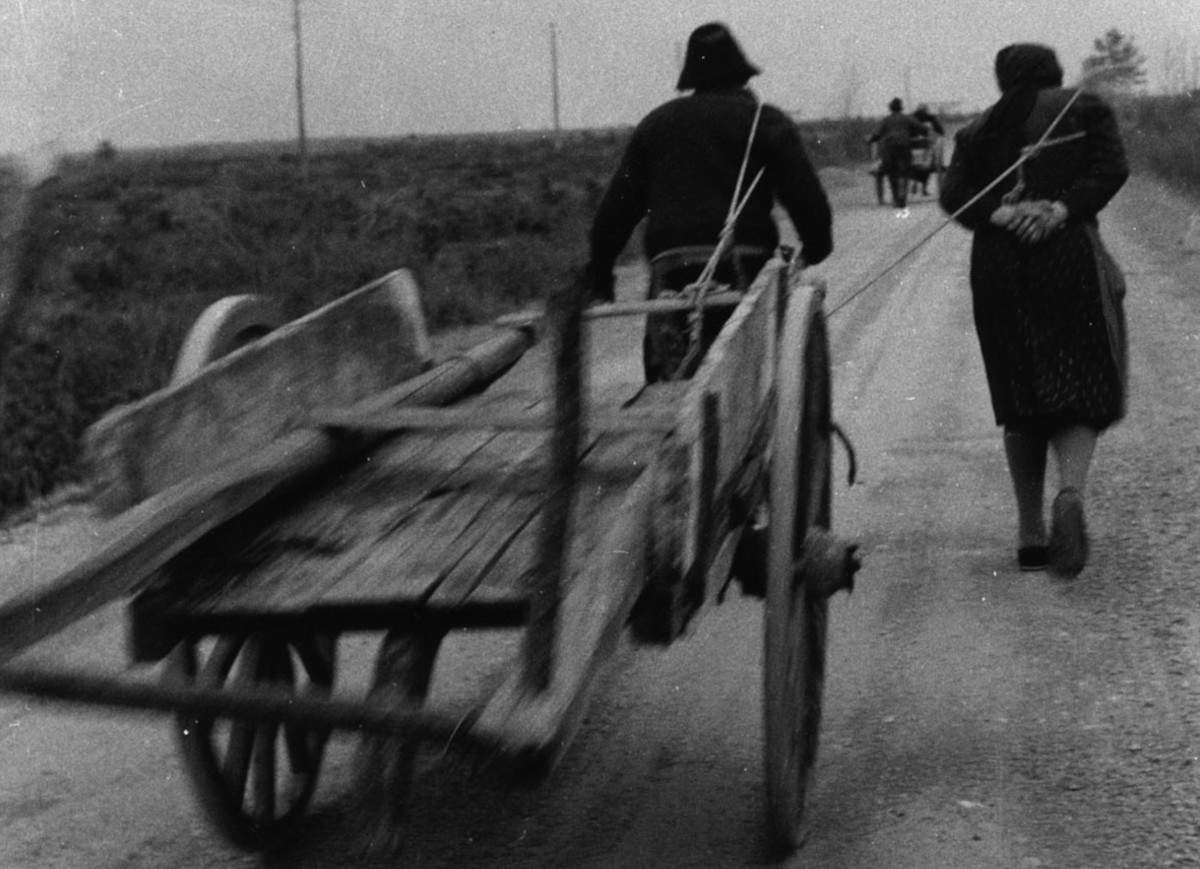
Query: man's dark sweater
{"type": "Point", "coordinates": [680, 169]}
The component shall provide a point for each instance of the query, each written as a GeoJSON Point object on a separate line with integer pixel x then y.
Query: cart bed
{"type": "Point", "coordinates": [431, 525]}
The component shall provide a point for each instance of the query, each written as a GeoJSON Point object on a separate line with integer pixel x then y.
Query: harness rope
{"type": "Point", "coordinates": [1027, 152]}
{"type": "Point", "coordinates": [704, 282]}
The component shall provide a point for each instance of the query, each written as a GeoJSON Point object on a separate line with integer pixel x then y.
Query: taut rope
{"type": "Point", "coordinates": [1027, 152]}
{"type": "Point", "coordinates": [704, 282]}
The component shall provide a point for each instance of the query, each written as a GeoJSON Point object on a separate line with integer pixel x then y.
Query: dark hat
{"type": "Point", "coordinates": [714, 59]}
{"type": "Point", "coordinates": [1029, 65]}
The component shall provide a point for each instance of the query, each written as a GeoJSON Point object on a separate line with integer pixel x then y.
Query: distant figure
{"type": "Point", "coordinates": [894, 136]}
{"type": "Point", "coordinates": [927, 149]}
{"type": "Point", "coordinates": [1048, 298]}
{"type": "Point", "coordinates": [876, 171]}
{"type": "Point", "coordinates": [679, 173]}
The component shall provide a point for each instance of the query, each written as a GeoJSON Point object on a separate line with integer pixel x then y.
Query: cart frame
{"type": "Point", "coordinates": [752, 431]}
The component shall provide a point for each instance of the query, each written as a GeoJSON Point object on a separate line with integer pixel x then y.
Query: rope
{"type": "Point", "coordinates": [736, 203]}
{"type": "Point", "coordinates": [1027, 152]}
{"type": "Point", "coordinates": [704, 282]}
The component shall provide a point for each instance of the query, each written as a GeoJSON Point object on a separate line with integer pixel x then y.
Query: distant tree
{"type": "Point", "coordinates": [106, 151]}
{"type": "Point", "coordinates": [1115, 62]}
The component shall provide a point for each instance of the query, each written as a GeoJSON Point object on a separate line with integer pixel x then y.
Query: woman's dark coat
{"type": "Point", "coordinates": [1049, 315]}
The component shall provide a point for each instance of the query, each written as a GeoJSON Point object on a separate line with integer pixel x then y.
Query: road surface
{"type": "Point", "coordinates": [975, 716]}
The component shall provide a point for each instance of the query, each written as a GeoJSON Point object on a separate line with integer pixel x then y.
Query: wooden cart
{"type": "Point", "coordinates": [327, 479]}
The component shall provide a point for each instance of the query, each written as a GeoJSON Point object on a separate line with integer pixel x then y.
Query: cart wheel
{"type": "Point", "coordinates": [234, 765]}
{"type": "Point", "coordinates": [795, 612]}
{"type": "Point", "coordinates": [386, 764]}
{"type": "Point", "coordinates": [223, 327]}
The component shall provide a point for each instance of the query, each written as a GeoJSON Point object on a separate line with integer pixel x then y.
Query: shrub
{"type": "Point", "coordinates": [1162, 134]}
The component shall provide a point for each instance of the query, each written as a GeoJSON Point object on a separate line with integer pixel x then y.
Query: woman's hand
{"type": "Point", "coordinates": [1031, 221]}
{"type": "Point", "coordinates": [1002, 216]}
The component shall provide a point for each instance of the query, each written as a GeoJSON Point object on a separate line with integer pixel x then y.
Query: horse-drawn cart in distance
{"type": "Point", "coordinates": [328, 478]}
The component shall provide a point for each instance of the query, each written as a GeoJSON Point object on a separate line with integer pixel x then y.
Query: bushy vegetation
{"type": "Point", "coordinates": [1162, 134]}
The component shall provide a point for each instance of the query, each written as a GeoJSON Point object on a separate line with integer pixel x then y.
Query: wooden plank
{"type": "Point", "coordinates": [145, 537]}
{"type": "Point", "coordinates": [345, 351]}
{"type": "Point", "coordinates": [387, 490]}
{"type": "Point", "coordinates": [142, 539]}
{"type": "Point", "coordinates": [411, 560]}
{"type": "Point", "coordinates": [633, 419]}
{"type": "Point", "coordinates": [495, 569]}
{"type": "Point", "coordinates": [626, 309]}
{"type": "Point", "coordinates": [737, 373]}
{"type": "Point", "coordinates": [494, 573]}
{"type": "Point", "coordinates": [324, 536]}
{"type": "Point", "coordinates": [261, 703]}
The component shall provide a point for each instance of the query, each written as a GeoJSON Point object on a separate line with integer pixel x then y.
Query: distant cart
{"type": "Point", "coordinates": [301, 482]}
{"type": "Point", "coordinates": [928, 161]}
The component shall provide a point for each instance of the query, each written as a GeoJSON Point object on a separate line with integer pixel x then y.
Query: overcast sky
{"type": "Point", "coordinates": [153, 72]}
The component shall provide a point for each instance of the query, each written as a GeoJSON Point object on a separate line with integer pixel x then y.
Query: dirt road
{"type": "Point", "coordinates": [975, 716]}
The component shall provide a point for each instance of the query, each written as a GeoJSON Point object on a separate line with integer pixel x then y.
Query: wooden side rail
{"type": "Point", "coordinates": [628, 420]}
{"type": "Point", "coordinates": [627, 309]}
{"type": "Point", "coordinates": [352, 348]}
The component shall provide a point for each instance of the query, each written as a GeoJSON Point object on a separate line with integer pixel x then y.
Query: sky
{"type": "Point", "coordinates": [175, 72]}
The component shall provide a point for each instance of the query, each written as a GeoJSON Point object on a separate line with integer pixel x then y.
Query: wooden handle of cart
{"type": "Point", "coordinates": [545, 588]}
{"type": "Point", "coordinates": [628, 309]}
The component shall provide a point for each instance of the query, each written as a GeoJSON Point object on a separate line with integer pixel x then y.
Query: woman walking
{"type": "Point", "coordinates": [1047, 296]}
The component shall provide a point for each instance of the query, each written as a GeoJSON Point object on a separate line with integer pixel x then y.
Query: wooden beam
{"type": "Point", "coordinates": [628, 420]}
{"type": "Point", "coordinates": [626, 309]}
{"type": "Point", "coordinates": [261, 703]}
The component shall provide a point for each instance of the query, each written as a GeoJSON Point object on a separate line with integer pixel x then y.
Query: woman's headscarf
{"type": "Point", "coordinates": [1022, 69]}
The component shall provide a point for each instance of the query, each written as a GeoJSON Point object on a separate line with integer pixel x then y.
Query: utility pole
{"type": "Point", "coordinates": [303, 140]}
{"type": "Point", "coordinates": [554, 84]}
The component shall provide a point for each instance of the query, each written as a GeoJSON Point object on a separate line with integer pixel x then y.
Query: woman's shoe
{"type": "Point", "coordinates": [1068, 534]}
{"type": "Point", "coordinates": [1033, 557]}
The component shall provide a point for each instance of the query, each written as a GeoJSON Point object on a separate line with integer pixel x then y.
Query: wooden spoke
{"type": "Point", "coordinates": [234, 765]}
{"type": "Point", "coordinates": [263, 808]}
{"type": "Point", "coordinates": [235, 768]}
{"type": "Point", "coordinates": [795, 621]}
{"type": "Point", "coordinates": [300, 753]}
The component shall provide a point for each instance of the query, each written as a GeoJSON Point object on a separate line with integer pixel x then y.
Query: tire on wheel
{"type": "Point", "coordinates": [795, 615]}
